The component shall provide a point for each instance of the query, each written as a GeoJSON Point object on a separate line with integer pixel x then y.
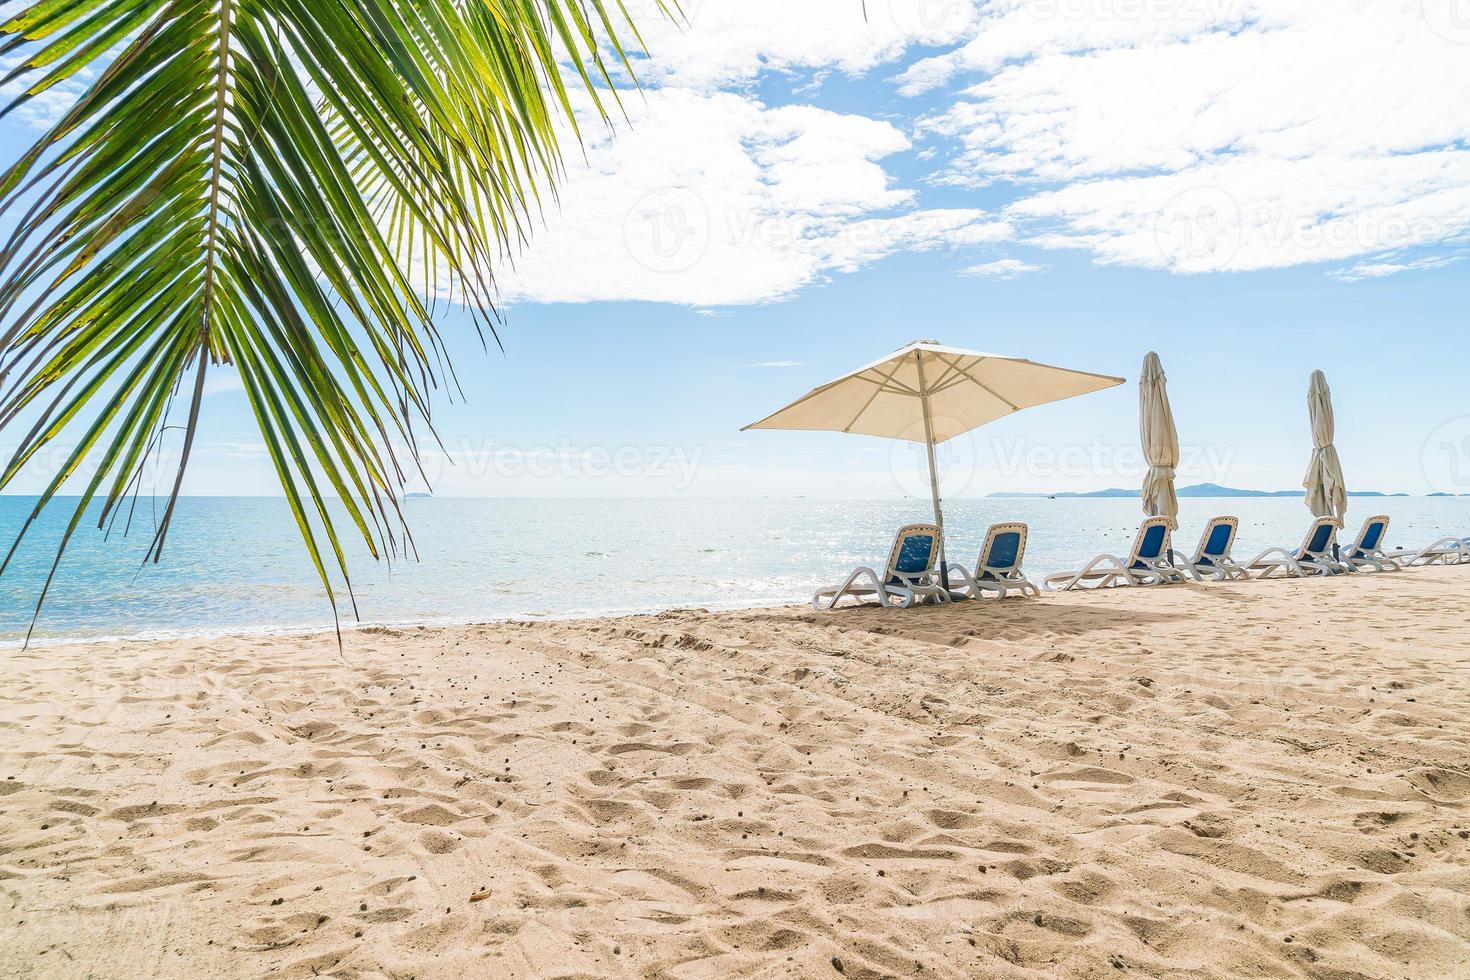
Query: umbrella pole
{"type": "Point", "coordinates": [938, 511]}
{"type": "Point", "coordinates": [933, 472]}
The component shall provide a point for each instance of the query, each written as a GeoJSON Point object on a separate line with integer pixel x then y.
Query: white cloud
{"type": "Point", "coordinates": [1001, 269]}
{"type": "Point", "coordinates": [716, 199]}
{"type": "Point", "coordinates": [731, 42]}
{"type": "Point", "coordinates": [1021, 30]}
{"type": "Point", "coordinates": [1259, 212]}
{"type": "Point", "coordinates": [1377, 270]}
{"type": "Point", "coordinates": [42, 111]}
{"type": "Point", "coordinates": [1215, 135]}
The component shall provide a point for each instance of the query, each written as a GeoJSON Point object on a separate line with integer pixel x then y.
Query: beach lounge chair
{"type": "Point", "coordinates": [909, 576]}
{"type": "Point", "coordinates": [1314, 557]}
{"type": "Point", "coordinates": [998, 569]}
{"type": "Point", "coordinates": [1212, 557]}
{"type": "Point", "coordinates": [1366, 552]}
{"type": "Point", "coordinates": [1147, 564]}
{"type": "Point", "coordinates": [1445, 551]}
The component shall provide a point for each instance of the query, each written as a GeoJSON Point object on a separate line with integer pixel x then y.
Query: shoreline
{"type": "Point", "coordinates": [461, 582]}
{"type": "Point", "coordinates": [247, 633]}
{"type": "Point", "coordinates": [595, 616]}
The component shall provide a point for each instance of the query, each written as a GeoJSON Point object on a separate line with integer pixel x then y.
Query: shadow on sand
{"type": "Point", "coordinates": [961, 623]}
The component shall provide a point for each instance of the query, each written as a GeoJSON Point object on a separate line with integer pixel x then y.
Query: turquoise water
{"type": "Point", "coordinates": [235, 564]}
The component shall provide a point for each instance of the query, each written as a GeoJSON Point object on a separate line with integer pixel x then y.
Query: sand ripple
{"type": "Point", "coordinates": [1264, 779]}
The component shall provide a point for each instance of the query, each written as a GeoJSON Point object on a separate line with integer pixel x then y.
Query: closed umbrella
{"type": "Point", "coordinates": [1160, 440]}
{"type": "Point", "coordinates": [928, 393]}
{"type": "Point", "coordinates": [1326, 491]}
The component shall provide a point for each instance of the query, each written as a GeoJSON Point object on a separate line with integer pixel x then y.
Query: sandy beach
{"type": "Point", "coordinates": [1260, 779]}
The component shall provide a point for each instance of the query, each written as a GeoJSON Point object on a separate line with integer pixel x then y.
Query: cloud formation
{"type": "Point", "coordinates": [717, 199]}
{"type": "Point", "coordinates": [730, 43]}
{"type": "Point", "coordinates": [1191, 136]}
{"type": "Point", "coordinates": [1001, 269]}
{"type": "Point", "coordinates": [1377, 270]}
{"type": "Point", "coordinates": [1214, 135]}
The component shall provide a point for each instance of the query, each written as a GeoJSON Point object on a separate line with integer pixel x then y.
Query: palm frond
{"type": "Point", "coordinates": [253, 183]}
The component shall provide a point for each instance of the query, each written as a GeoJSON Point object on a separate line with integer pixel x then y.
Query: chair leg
{"type": "Point", "coordinates": [841, 590]}
{"type": "Point", "coordinates": [1119, 570]}
{"type": "Point", "coordinates": [967, 580]}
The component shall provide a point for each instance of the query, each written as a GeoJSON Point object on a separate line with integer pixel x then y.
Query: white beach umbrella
{"type": "Point", "coordinates": [1326, 490]}
{"type": "Point", "coordinates": [928, 393]}
{"type": "Point", "coordinates": [1160, 440]}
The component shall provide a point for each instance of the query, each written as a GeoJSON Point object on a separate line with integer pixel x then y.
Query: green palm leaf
{"type": "Point", "coordinates": [254, 183]}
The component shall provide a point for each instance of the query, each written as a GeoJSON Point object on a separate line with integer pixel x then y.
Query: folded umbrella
{"type": "Point", "coordinates": [1326, 490]}
{"type": "Point", "coordinates": [1160, 440]}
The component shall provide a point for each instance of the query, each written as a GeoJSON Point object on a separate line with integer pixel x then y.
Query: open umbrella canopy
{"type": "Point", "coordinates": [1326, 490]}
{"type": "Point", "coordinates": [926, 392]}
{"type": "Point", "coordinates": [957, 390]}
{"type": "Point", "coordinates": [1160, 440]}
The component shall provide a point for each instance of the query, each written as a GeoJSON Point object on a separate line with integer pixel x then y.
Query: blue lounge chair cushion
{"type": "Point", "coordinates": [1371, 539]}
{"type": "Point", "coordinates": [1320, 539]}
{"type": "Point", "coordinates": [913, 556]}
{"type": "Point", "coordinates": [1003, 554]}
{"type": "Point", "coordinates": [1153, 544]}
{"type": "Point", "coordinates": [1218, 542]}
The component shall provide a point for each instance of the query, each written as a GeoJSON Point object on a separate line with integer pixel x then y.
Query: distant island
{"type": "Point", "coordinates": [1200, 490]}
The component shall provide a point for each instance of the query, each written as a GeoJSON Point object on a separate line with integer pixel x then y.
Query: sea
{"type": "Point", "coordinates": [236, 564]}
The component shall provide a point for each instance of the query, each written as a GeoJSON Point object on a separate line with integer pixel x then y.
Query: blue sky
{"type": "Point", "coordinates": [1254, 191]}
